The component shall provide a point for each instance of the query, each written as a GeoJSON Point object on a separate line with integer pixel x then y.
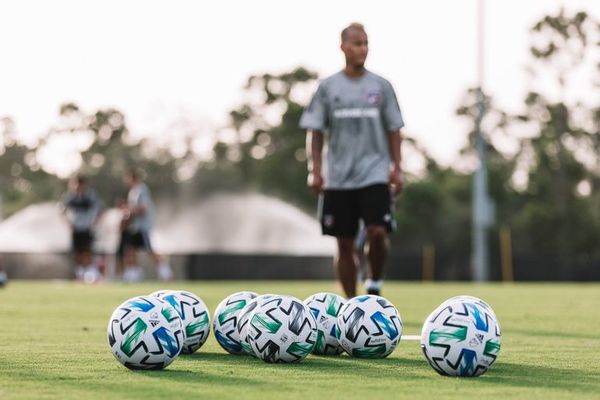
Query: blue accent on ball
{"type": "Point", "coordinates": [478, 317]}
{"type": "Point", "coordinates": [315, 312]}
{"type": "Point", "coordinates": [141, 304]}
{"type": "Point", "coordinates": [227, 342]}
{"type": "Point", "coordinates": [167, 341]}
{"type": "Point", "coordinates": [386, 324]}
{"type": "Point", "coordinates": [362, 299]}
{"type": "Point", "coordinates": [172, 300]}
{"type": "Point", "coordinates": [467, 365]}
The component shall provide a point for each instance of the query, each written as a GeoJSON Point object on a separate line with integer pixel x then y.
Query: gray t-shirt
{"type": "Point", "coordinates": [356, 117]}
{"type": "Point", "coordinates": [139, 195]}
{"type": "Point", "coordinates": [82, 209]}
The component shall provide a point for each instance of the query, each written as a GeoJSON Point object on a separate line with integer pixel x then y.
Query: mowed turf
{"type": "Point", "coordinates": [53, 346]}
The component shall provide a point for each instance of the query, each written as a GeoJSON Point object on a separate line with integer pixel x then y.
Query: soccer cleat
{"type": "Point", "coordinates": [165, 273]}
{"type": "Point", "coordinates": [374, 291]}
{"type": "Point", "coordinates": [133, 274]}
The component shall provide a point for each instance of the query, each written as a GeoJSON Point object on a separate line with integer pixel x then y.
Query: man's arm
{"type": "Point", "coordinates": [395, 143]}
{"type": "Point", "coordinates": [314, 151]}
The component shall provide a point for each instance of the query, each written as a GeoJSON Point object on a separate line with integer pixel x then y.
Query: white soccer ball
{"type": "Point", "coordinates": [244, 319]}
{"type": "Point", "coordinates": [226, 318]}
{"type": "Point", "coordinates": [369, 327]}
{"type": "Point", "coordinates": [474, 299]}
{"type": "Point", "coordinates": [145, 333]}
{"type": "Point", "coordinates": [461, 337]}
{"type": "Point", "coordinates": [282, 330]}
{"type": "Point", "coordinates": [194, 315]}
{"type": "Point", "coordinates": [326, 307]}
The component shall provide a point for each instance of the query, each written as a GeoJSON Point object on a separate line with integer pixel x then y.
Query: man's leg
{"type": "Point", "coordinates": [346, 264]}
{"type": "Point", "coordinates": [378, 250]}
{"type": "Point", "coordinates": [163, 269]}
{"type": "Point", "coordinates": [377, 214]}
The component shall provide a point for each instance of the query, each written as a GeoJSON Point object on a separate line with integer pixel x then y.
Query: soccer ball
{"type": "Point", "coordinates": [194, 315]}
{"type": "Point", "coordinates": [461, 337]}
{"type": "Point", "coordinates": [226, 319]}
{"type": "Point", "coordinates": [145, 333]}
{"type": "Point", "coordinates": [476, 300]}
{"type": "Point", "coordinates": [282, 330]}
{"type": "Point", "coordinates": [369, 327]}
{"type": "Point", "coordinates": [160, 293]}
{"type": "Point", "coordinates": [326, 307]}
{"type": "Point", "coordinates": [244, 319]}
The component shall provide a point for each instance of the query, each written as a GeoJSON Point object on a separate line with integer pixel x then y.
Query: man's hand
{"type": "Point", "coordinates": [396, 180]}
{"type": "Point", "coordinates": [315, 182]}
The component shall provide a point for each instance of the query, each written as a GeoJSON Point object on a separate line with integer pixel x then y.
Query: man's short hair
{"type": "Point", "coordinates": [135, 173]}
{"type": "Point", "coordinates": [353, 26]}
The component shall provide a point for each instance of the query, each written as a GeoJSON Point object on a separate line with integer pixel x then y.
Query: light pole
{"type": "Point", "coordinates": [482, 206]}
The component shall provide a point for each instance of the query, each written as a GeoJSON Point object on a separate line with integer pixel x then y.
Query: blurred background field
{"type": "Point", "coordinates": [54, 345]}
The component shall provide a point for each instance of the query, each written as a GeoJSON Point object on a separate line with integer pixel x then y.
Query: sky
{"type": "Point", "coordinates": [159, 61]}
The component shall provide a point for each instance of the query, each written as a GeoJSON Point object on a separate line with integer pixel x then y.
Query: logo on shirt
{"type": "Point", "coordinates": [343, 113]}
{"type": "Point", "coordinates": [374, 97]}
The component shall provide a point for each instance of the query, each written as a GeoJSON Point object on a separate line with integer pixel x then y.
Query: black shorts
{"type": "Point", "coordinates": [82, 240]}
{"type": "Point", "coordinates": [139, 240]}
{"type": "Point", "coordinates": [341, 210]}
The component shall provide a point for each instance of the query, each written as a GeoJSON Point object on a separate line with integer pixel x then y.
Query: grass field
{"type": "Point", "coordinates": [53, 345]}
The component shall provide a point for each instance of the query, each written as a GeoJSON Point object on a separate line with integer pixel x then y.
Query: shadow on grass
{"type": "Point", "coordinates": [363, 368]}
{"type": "Point", "coordinates": [532, 376]}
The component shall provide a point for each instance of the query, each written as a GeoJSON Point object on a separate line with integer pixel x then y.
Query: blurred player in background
{"type": "Point", "coordinates": [3, 276]}
{"type": "Point", "coordinates": [138, 213]}
{"type": "Point", "coordinates": [355, 116]}
{"type": "Point", "coordinates": [82, 208]}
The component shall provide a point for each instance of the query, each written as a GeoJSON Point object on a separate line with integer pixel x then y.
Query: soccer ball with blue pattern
{"type": "Point", "coordinates": [461, 337]}
{"type": "Point", "coordinates": [145, 333]}
{"type": "Point", "coordinates": [282, 330]}
{"type": "Point", "coordinates": [226, 319]}
{"type": "Point", "coordinates": [369, 327]}
{"type": "Point", "coordinates": [194, 316]}
{"type": "Point", "coordinates": [474, 299]}
{"type": "Point", "coordinates": [326, 308]}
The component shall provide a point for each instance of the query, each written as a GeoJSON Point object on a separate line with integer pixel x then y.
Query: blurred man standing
{"type": "Point", "coordinates": [354, 116]}
{"type": "Point", "coordinates": [82, 208]}
{"type": "Point", "coordinates": [137, 222]}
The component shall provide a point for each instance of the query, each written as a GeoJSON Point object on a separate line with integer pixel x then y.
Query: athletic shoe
{"type": "Point", "coordinates": [133, 274]}
{"type": "Point", "coordinates": [91, 274]}
{"type": "Point", "coordinates": [374, 291]}
{"type": "Point", "coordinates": [165, 273]}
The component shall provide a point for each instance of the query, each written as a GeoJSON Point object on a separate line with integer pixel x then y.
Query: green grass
{"type": "Point", "coordinates": [53, 345]}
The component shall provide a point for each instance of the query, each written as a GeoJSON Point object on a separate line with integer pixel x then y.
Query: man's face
{"type": "Point", "coordinates": [356, 48]}
{"type": "Point", "coordinates": [129, 181]}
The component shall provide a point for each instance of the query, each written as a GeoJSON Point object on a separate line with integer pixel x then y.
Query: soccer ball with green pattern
{"type": "Point", "coordinates": [369, 327]}
{"type": "Point", "coordinates": [282, 330]}
{"type": "Point", "coordinates": [145, 333]}
{"type": "Point", "coordinates": [326, 308]}
{"type": "Point", "coordinates": [244, 321]}
{"type": "Point", "coordinates": [461, 337]}
{"type": "Point", "coordinates": [194, 315]}
{"type": "Point", "coordinates": [226, 319]}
